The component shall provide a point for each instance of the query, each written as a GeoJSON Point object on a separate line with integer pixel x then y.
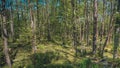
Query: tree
{"type": "Point", "coordinates": [110, 30]}
{"type": "Point", "coordinates": [73, 4]}
{"type": "Point", "coordinates": [11, 20]}
{"type": "Point", "coordinates": [95, 17]}
{"type": "Point", "coordinates": [87, 21]}
{"type": "Point", "coordinates": [116, 31]}
{"type": "Point", "coordinates": [5, 35]}
{"type": "Point", "coordinates": [33, 27]}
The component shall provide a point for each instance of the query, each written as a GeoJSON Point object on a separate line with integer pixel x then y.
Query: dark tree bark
{"type": "Point", "coordinates": [63, 32]}
{"type": "Point", "coordinates": [48, 21]}
{"type": "Point", "coordinates": [116, 32]}
{"type": "Point", "coordinates": [38, 23]}
{"type": "Point", "coordinates": [74, 23]}
{"type": "Point", "coordinates": [86, 22]}
{"type": "Point", "coordinates": [95, 16]}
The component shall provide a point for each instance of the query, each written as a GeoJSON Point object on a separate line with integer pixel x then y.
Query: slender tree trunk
{"type": "Point", "coordinates": [17, 10]}
{"type": "Point", "coordinates": [86, 21]}
{"type": "Point", "coordinates": [110, 29]}
{"type": "Point", "coordinates": [95, 16]}
{"type": "Point", "coordinates": [11, 24]}
{"type": "Point", "coordinates": [111, 7]}
{"type": "Point", "coordinates": [74, 27]}
{"type": "Point", "coordinates": [4, 34]}
{"type": "Point", "coordinates": [116, 41]}
{"type": "Point", "coordinates": [64, 27]}
{"type": "Point", "coordinates": [116, 32]}
{"type": "Point", "coordinates": [1, 26]}
{"type": "Point", "coordinates": [48, 21]}
{"type": "Point", "coordinates": [102, 28]}
{"type": "Point", "coordinates": [48, 30]}
{"type": "Point", "coordinates": [5, 38]}
{"type": "Point", "coordinates": [33, 27]}
{"type": "Point", "coordinates": [38, 20]}
{"type": "Point", "coordinates": [82, 32]}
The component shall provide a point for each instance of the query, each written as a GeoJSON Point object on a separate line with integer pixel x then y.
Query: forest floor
{"type": "Point", "coordinates": [52, 55]}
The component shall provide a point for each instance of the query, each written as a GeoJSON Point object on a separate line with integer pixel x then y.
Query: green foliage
{"type": "Point", "coordinates": [95, 66]}
{"type": "Point", "coordinates": [55, 18]}
{"type": "Point", "coordinates": [2, 58]}
{"type": "Point", "coordinates": [40, 59]}
{"type": "Point", "coordinates": [44, 60]}
{"type": "Point", "coordinates": [59, 66]}
{"type": "Point", "coordinates": [85, 63]}
{"type": "Point", "coordinates": [117, 15]}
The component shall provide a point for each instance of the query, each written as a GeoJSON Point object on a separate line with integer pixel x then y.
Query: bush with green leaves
{"type": "Point", "coordinates": [41, 59]}
{"type": "Point", "coordinates": [85, 63]}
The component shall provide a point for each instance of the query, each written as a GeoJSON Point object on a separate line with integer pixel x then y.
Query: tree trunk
{"type": "Point", "coordinates": [86, 22]}
{"type": "Point", "coordinates": [74, 27]}
{"type": "Point", "coordinates": [11, 24]}
{"type": "Point", "coordinates": [95, 16]}
{"type": "Point", "coordinates": [102, 28]}
{"type": "Point", "coordinates": [33, 27]}
{"type": "Point", "coordinates": [5, 39]}
{"type": "Point", "coordinates": [48, 21]}
{"type": "Point", "coordinates": [4, 34]}
{"type": "Point", "coordinates": [116, 32]}
{"type": "Point", "coordinates": [110, 29]}
{"type": "Point", "coordinates": [116, 41]}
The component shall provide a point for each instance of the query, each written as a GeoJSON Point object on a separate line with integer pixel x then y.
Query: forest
{"type": "Point", "coordinates": [59, 33]}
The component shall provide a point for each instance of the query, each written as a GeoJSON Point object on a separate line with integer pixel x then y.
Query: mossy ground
{"type": "Point", "coordinates": [52, 55]}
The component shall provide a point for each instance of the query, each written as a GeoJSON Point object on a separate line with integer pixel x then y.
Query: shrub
{"type": "Point", "coordinates": [41, 59]}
